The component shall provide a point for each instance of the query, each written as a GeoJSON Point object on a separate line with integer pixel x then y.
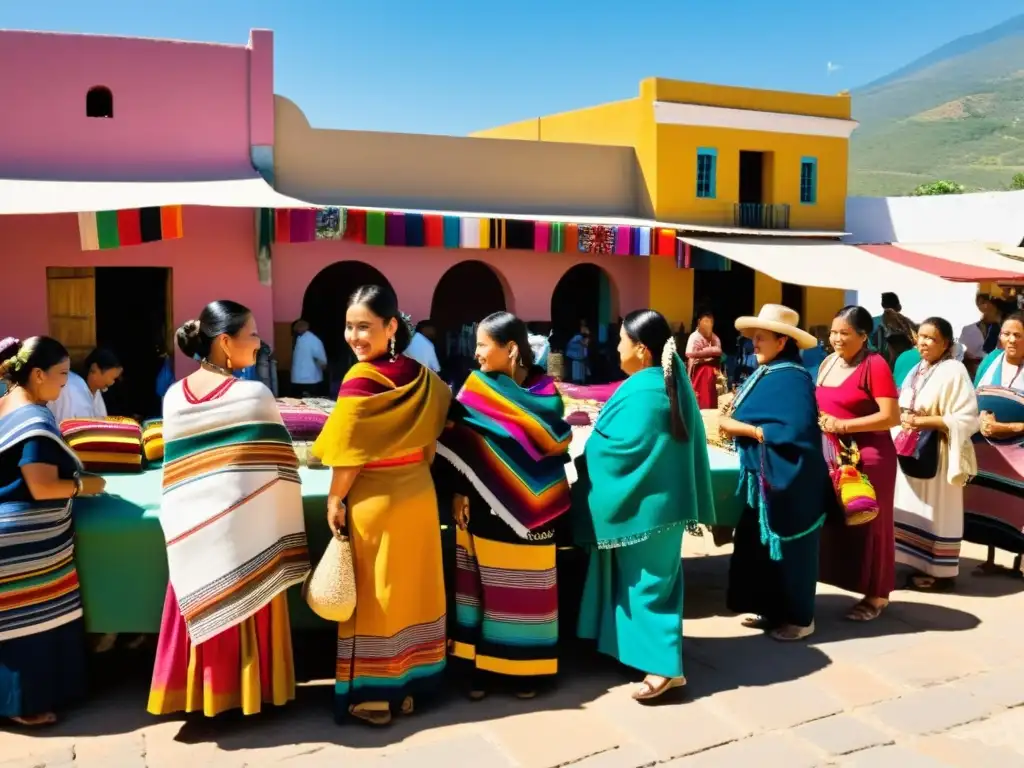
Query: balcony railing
{"type": "Point", "coordinates": [761, 215]}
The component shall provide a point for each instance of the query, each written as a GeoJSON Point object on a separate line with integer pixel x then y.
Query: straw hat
{"type": "Point", "coordinates": [777, 319]}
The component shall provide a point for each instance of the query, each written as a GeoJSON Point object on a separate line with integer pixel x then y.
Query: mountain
{"type": "Point", "coordinates": [956, 113]}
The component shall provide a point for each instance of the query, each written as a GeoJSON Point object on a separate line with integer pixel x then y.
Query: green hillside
{"type": "Point", "coordinates": [957, 113]}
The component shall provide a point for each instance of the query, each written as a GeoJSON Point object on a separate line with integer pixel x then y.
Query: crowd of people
{"type": "Point", "coordinates": [405, 450]}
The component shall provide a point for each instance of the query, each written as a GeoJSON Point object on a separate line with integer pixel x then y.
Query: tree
{"type": "Point", "coordinates": [939, 188]}
{"type": "Point", "coordinates": [1017, 182]}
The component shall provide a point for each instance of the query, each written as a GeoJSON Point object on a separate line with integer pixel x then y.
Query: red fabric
{"type": "Point", "coordinates": [705, 385]}
{"type": "Point", "coordinates": [403, 370]}
{"type": "Point", "coordinates": [433, 226]}
{"type": "Point", "coordinates": [282, 226]}
{"type": "Point", "coordinates": [355, 226]}
{"type": "Point", "coordinates": [948, 270]}
{"type": "Point", "coordinates": [666, 242]}
{"type": "Point", "coordinates": [862, 558]}
{"type": "Point", "coordinates": [129, 227]}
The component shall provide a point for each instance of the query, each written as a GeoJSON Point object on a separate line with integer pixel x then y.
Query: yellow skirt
{"type": "Point", "coordinates": [394, 644]}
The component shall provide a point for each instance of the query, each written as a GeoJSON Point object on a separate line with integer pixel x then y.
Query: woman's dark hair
{"type": "Point", "coordinates": [382, 301]}
{"type": "Point", "coordinates": [506, 328]}
{"type": "Point", "coordinates": [857, 318]}
{"type": "Point", "coordinates": [791, 352]}
{"type": "Point", "coordinates": [103, 358]}
{"type": "Point", "coordinates": [196, 337]}
{"type": "Point", "coordinates": [945, 329]}
{"type": "Point", "coordinates": [18, 360]}
{"type": "Point", "coordinates": [1017, 317]}
{"type": "Point", "coordinates": [650, 328]}
{"type": "Point", "coordinates": [701, 313]}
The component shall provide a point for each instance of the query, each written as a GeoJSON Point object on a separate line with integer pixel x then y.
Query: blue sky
{"type": "Point", "coordinates": [454, 66]}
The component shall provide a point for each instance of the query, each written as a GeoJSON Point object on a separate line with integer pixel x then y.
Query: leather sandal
{"type": "Point", "coordinates": [408, 706]}
{"type": "Point", "coordinates": [376, 713]}
{"type": "Point", "coordinates": [35, 721]}
{"type": "Point", "coordinates": [790, 633]}
{"type": "Point", "coordinates": [865, 611]}
{"type": "Point", "coordinates": [756, 622]}
{"type": "Point", "coordinates": [651, 692]}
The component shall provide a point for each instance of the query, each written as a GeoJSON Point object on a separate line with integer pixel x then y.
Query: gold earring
{"type": "Point", "coordinates": [392, 345]}
{"type": "Point", "coordinates": [230, 368]}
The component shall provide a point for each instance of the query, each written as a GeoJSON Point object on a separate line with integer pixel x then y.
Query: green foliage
{"type": "Point", "coordinates": [939, 188]}
{"type": "Point", "coordinates": [1017, 182]}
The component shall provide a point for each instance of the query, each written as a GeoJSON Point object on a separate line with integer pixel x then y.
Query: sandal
{"type": "Point", "coordinates": [756, 622]}
{"type": "Point", "coordinates": [526, 695]}
{"type": "Point", "coordinates": [790, 633]}
{"type": "Point", "coordinates": [921, 583]}
{"type": "Point", "coordinates": [650, 692]}
{"type": "Point", "coordinates": [376, 713]}
{"type": "Point", "coordinates": [408, 706]}
{"type": "Point", "coordinates": [36, 721]}
{"type": "Point", "coordinates": [866, 611]}
{"type": "Point", "coordinates": [477, 695]}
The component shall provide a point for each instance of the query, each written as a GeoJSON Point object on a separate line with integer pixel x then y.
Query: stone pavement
{"type": "Point", "coordinates": [937, 681]}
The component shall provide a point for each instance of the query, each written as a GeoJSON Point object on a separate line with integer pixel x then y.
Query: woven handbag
{"type": "Point", "coordinates": [330, 590]}
{"type": "Point", "coordinates": [854, 491]}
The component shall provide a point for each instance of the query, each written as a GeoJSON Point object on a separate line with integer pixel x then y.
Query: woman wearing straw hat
{"type": "Point", "coordinates": [774, 422]}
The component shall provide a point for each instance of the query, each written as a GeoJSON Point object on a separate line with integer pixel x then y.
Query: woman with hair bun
{"type": "Point", "coordinates": [643, 476]}
{"type": "Point", "coordinates": [379, 442]}
{"type": "Point", "coordinates": [231, 514]}
{"type": "Point", "coordinates": [503, 456]}
{"type": "Point", "coordinates": [42, 634]}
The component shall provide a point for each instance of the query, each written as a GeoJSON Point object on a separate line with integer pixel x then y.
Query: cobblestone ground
{"type": "Point", "coordinates": [937, 681]}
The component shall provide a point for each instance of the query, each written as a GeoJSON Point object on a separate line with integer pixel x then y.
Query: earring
{"type": "Point", "coordinates": [230, 367]}
{"type": "Point", "coordinates": [392, 345]}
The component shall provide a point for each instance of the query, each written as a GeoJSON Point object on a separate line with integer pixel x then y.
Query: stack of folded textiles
{"type": "Point", "coordinates": [113, 444]}
{"type": "Point", "coordinates": [303, 421]}
{"type": "Point", "coordinates": [153, 441]}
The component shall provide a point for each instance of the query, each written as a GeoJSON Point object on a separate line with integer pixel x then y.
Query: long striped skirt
{"type": "Point", "coordinates": [393, 647]}
{"type": "Point", "coordinates": [243, 667]}
{"type": "Point", "coordinates": [506, 604]}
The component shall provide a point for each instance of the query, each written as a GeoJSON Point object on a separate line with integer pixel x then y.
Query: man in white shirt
{"type": "Point", "coordinates": [421, 347]}
{"type": "Point", "coordinates": [82, 397]}
{"type": "Point", "coordinates": [309, 359]}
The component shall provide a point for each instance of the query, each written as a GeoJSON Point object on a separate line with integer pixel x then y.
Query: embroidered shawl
{"type": "Point", "coordinates": [512, 444]}
{"type": "Point", "coordinates": [702, 350]}
{"type": "Point", "coordinates": [231, 510]}
{"type": "Point", "coordinates": [947, 392]}
{"type": "Point", "coordinates": [38, 580]}
{"type": "Point", "coordinates": [385, 409]}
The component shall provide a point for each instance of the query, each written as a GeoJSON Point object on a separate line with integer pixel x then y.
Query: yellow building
{"type": "Point", "coordinates": [727, 161]}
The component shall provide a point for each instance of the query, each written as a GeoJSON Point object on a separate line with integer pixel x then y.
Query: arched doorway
{"type": "Point", "coordinates": [323, 307]}
{"type": "Point", "coordinates": [465, 295]}
{"type": "Point", "coordinates": [586, 293]}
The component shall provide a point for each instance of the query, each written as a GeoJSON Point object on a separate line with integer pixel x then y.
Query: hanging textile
{"type": "Point", "coordinates": [355, 225]}
{"type": "Point", "coordinates": [433, 231]}
{"type": "Point", "coordinates": [375, 228]}
{"type": "Point", "coordinates": [103, 230]}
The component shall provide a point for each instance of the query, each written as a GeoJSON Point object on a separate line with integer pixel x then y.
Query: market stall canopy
{"type": "Point", "coordinates": [27, 196]}
{"type": "Point", "coordinates": [828, 264]}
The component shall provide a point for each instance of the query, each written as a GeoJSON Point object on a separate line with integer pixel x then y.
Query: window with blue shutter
{"type": "Point", "coordinates": [808, 180]}
{"type": "Point", "coordinates": [707, 160]}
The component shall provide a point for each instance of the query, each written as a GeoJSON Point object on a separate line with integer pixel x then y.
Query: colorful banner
{"type": "Point", "coordinates": [105, 230]}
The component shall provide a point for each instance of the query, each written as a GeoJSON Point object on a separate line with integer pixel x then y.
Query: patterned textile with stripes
{"type": "Point", "coordinates": [38, 581]}
{"type": "Point", "coordinates": [506, 606]}
{"type": "Point", "coordinates": [924, 547]}
{"type": "Point", "coordinates": [230, 475]}
{"type": "Point", "coordinates": [412, 655]}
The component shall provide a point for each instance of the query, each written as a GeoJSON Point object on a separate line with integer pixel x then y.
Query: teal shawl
{"type": "Point", "coordinates": [635, 478]}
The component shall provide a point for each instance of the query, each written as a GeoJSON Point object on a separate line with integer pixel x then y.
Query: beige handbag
{"type": "Point", "coordinates": [330, 590]}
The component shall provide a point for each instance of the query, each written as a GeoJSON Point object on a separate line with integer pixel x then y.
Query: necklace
{"type": "Point", "coordinates": [215, 368]}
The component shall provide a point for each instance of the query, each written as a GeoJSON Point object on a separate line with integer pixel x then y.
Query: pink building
{"type": "Point", "coordinates": [142, 120]}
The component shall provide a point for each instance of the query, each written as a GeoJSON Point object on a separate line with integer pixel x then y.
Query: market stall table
{"type": "Point", "coordinates": [122, 562]}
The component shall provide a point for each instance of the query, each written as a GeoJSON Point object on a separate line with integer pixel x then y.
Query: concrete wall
{"type": "Point", "coordinates": [401, 170]}
{"type": "Point", "coordinates": [181, 110]}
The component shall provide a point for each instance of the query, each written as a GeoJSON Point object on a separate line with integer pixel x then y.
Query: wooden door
{"type": "Point", "coordinates": [71, 303]}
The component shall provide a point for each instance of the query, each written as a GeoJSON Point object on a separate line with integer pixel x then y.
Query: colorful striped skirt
{"type": "Point", "coordinates": [393, 647]}
{"type": "Point", "coordinates": [243, 667]}
{"type": "Point", "coordinates": [506, 598]}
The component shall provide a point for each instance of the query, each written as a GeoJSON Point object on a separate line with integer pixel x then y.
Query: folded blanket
{"type": "Point", "coordinates": [112, 444]}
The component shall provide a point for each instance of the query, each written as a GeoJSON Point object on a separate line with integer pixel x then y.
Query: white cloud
{"type": "Point", "coordinates": [830, 67]}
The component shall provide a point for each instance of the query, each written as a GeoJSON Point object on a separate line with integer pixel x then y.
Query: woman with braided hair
{"type": "Point", "coordinates": [643, 477]}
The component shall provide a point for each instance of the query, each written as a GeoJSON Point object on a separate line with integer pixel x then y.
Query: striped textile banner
{"type": "Point", "coordinates": [104, 230]}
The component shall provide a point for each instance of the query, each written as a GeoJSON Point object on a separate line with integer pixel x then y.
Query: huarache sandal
{"type": "Point", "coordinates": [921, 583]}
{"type": "Point", "coordinates": [756, 622]}
{"type": "Point", "coordinates": [866, 611]}
{"type": "Point", "coordinates": [376, 713]}
{"type": "Point", "coordinates": [649, 691]}
{"type": "Point", "coordinates": [36, 721]}
{"type": "Point", "coordinates": [792, 633]}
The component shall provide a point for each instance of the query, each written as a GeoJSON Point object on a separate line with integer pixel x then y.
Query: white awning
{"type": "Point", "coordinates": [818, 264]}
{"type": "Point", "coordinates": [20, 196]}
{"type": "Point", "coordinates": [973, 254]}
